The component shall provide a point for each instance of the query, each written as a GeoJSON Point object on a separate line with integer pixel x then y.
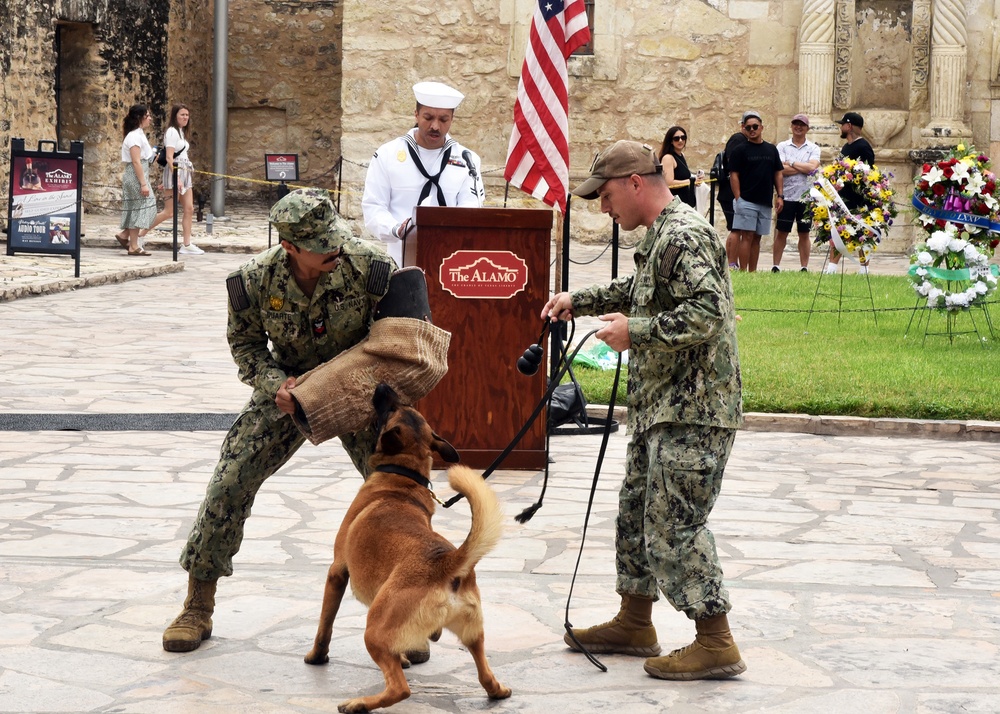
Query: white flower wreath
{"type": "Point", "coordinates": [949, 260]}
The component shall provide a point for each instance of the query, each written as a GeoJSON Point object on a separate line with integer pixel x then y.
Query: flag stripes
{"type": "Point", "coordinates": [538, 153]}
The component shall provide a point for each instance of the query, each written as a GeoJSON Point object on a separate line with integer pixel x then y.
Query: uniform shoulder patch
{"type": "Point", "coordinates": [237, 289]}
{"type": "Point", "coordinates": [378, 278]}
{"type": "Point", "coordinates": [669, 260]}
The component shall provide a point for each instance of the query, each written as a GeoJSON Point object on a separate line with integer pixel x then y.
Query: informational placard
{"type": "Point", "coordinates": [281, 167]}
{"type": "Point", "coordinates": [45, 200]}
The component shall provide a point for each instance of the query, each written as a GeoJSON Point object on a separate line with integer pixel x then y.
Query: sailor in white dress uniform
{"type": "Point", "coordinates": [424, 167]}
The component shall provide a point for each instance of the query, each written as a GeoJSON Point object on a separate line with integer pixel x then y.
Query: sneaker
{"type": "Point", "coordinates": [803, 270]}
{"type": "Point", "coordinates": [191, 249]}
{"type": "Point", "coordinates": [863, 270]}
{"type": "Point", "coordinates": [830, 269]}
{"type": "Point", "coordinates": [775, 269]}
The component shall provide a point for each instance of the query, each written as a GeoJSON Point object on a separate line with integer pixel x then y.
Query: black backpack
{"type": "Point", "coordinates": [719, 167]}
{"type": "Point", "coordinates": [161, 155]}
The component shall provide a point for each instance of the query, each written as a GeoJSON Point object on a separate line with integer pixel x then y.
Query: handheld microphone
{"type": "Point", "coordinates": [467, 155]}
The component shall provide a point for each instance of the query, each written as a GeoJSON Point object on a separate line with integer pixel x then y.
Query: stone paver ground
{"type": "Point", "coordinates": [864, 570]}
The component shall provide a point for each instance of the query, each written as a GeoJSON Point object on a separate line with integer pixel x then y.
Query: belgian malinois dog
{"type": "Point", "coordinates": [414, 581]}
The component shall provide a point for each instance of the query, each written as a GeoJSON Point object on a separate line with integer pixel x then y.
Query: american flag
{"type": "Point", "coordinates": [538, 155]}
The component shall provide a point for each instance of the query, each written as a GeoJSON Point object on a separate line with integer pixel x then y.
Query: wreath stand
{"type": "Point", "coordinates": [951, 319]}
{"type": "Point", "coordinates": [839, 296]}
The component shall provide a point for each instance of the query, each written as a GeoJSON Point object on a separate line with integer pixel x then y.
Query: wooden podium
{"type": "Point", "coordinates": [487, 279]}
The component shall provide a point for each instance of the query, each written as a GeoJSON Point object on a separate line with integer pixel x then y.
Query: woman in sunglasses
{"type": "Point", "coordinates": [675, 168]}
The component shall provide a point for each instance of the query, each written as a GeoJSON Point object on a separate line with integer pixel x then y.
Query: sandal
{"type": "Point", "coordinates": [122, 239]}
{"type": "Point", "coordinates": [141, 251]}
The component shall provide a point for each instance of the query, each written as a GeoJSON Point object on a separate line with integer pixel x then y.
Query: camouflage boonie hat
{"type": "Point", "coordinates": [307, 219]}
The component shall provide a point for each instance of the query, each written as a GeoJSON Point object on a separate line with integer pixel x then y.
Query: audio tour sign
{"type": "Point", "coordinates": [495, 274]}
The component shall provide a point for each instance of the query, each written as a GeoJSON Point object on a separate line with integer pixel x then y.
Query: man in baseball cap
{"type": "Point", "coordinates": [854, 119]}
{"type": "Point", "coordinates": [307, 219]}
{"type": "Point", "coordinates": [799, 158]}
{"type": "Point", "coordinates": [291, 308]}
{"type": "Point", "coordinates": [857, 148]}
{"type": "Point", "coordinates": [675, 317]}
{"type": "Point", "coordinates": [621, 159]}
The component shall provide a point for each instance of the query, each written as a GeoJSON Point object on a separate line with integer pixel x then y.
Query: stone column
{"type": "Point", "coordinates": [816, 45]}
{"type": "Point", "coordinates": [949, 48]}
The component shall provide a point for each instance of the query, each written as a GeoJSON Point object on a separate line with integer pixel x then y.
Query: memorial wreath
{"type": "Point", "coordinates": [851, 232]}
{"type": "Point", "coordinates": [957, 205]}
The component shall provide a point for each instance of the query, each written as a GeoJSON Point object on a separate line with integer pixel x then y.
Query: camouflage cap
{"type": "Point", "coordinates": [307, 219]}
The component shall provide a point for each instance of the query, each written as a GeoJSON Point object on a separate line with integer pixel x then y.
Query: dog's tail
{"type": "Point", "coordinates": [487, 519]}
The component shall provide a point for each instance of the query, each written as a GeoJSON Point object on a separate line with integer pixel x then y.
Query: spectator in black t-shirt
{"type": "Point", "coordinates": [755, 175]}
{"type": "Point", "coordinates": [857, 148]}
{"type": "Point", "coordinates": [725, 196]}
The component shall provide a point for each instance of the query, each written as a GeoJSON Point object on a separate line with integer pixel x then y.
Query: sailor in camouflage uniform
{"type": "Point", "coordinates": [675, 316]}
{"type": "Point", "coordinates": [312, 297]}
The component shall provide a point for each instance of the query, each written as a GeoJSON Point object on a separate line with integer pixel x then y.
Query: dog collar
{"type": "Point", "coordinates": [410, 474]}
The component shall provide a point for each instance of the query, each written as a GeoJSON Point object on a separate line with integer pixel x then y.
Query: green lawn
{"type": "Point", "coordinates": [846, 365]}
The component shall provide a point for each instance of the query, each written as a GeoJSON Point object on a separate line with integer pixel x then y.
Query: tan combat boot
{"type": "Point", "coordinates": [712, 655]}
{"type": "Point", "coordinates": [194, 624]}
{"type": "Point", "coordinates": [631, 632]}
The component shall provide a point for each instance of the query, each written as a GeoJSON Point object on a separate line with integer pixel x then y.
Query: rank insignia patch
{"type": "Point", "coordinates": [277, 302]}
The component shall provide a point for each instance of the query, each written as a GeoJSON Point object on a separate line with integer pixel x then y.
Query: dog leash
{"type": "Point", "coordinates": [527, 513]}
{"type": "Point", "coordinates": [586, 519]}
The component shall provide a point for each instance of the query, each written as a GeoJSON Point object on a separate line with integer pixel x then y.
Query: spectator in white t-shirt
{"type": "Point", "coordinates": [799, 158]}
{"type": "Point", "coordinates": [179, 150]}
{"type": "Point", "coordinates": [138, 201]}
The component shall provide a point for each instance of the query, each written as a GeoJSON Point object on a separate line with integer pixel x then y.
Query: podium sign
{"type": "Point", "coordinates": [487, 279]}
{"type": "Point", "coordinates": [45, 200]}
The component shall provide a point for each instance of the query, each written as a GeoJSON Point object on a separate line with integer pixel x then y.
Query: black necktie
{"type": "Point", "coordinates": [431, 180]}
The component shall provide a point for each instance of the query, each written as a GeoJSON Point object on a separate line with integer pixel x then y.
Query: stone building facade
{"type": "Point", "coordinates": [330, 79]}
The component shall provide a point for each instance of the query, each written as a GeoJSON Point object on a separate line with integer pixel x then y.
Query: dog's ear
{"type": "Point", "coordinates": [444, 449]}
{"type": "Point", "coordinates": [386, 401]}
{"type": "Point", "coordinates": [391, 442]}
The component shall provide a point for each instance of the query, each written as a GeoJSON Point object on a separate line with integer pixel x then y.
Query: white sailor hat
{"type": "Point", "coordinates": [437, 95]}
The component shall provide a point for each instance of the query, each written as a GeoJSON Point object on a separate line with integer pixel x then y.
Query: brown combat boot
{"type": "Point", "coordinates": [194, 624]}
{"type": "Point", "coordinates": [631, 632]}
{"type": "Point", "coordinates": [712, 655]}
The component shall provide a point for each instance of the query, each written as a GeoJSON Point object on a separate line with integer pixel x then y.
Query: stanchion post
{"type": "Point", "coordinates": [173, 169]}
{"type": "Point", "coordinates": [711, 202]}
{"type": "Point", "coordinates": [340, 180]}
{"type": "Point", "coordinates": [565, 236]}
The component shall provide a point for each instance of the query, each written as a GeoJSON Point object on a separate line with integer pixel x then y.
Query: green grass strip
{"type": "Point", "coordinates": [845, 364]}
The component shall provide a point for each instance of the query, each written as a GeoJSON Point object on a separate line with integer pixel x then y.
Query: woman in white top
{"type": "Point", "coordinates": [138, 201]}
{"type": "Point", "coordinates": [179, 149]}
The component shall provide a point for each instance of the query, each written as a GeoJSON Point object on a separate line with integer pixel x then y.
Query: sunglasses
{"type": "Point", "coordinates": [680, 137]}
{"type": "Point", "coordinates": [751, 127]}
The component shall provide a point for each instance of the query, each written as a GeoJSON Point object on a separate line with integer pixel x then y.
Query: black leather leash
{"type": "Point", "coordinates": [586, 519]}
{"type": "Point", "coordinates": [527, 513]}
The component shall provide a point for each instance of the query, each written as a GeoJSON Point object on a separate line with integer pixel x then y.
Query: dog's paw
{"type": "Point", "coordinates": [501, 692]}
{"type": "Point", "coordinates": [315, 657]}
{"type": "Point", "coordinates": [352, 706]}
